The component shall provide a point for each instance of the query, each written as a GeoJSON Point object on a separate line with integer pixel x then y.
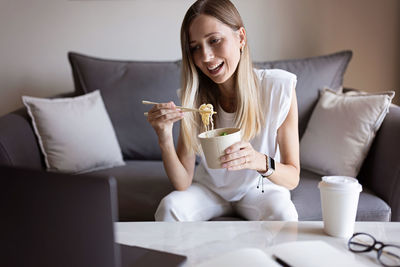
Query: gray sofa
{"type": "Point", "coordinates": [142, 183]}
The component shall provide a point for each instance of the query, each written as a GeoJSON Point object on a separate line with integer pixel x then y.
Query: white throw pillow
{"type": "Point", "coordinates": [341, 130]}
{"type": "Point", "coordinates": [75, 134]}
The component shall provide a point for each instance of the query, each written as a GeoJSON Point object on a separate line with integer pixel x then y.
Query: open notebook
{"type": "Point", "coordinates": [294, 254]}
{"type": "Point", "coordinates": [247, 257]}
{"type": "Point", "coordinates": [314, 253]}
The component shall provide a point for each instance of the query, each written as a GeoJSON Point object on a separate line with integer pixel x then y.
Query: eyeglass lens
{"type": "Point", "coordinates": [361, 243]}
{"type": "Point", "coordinates": [390, 256]}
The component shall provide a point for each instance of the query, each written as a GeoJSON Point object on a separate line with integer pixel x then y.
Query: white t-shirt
{"type": "Point", "coordinates": [276, 86]}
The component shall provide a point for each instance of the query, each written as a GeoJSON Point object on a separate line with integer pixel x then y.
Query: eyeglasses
{"type": "Point", "coordinates": [388, 254]}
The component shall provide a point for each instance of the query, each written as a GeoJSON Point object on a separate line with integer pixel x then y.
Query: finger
{"type": "Point", "coordinates": [166, 113]}
{"type": "Point", "coordinates": [235, 155]}
{"type": "Point", "coordinates": [169, 105]}
{"type": "Point", "coordinates": [236, 146]}
{"type": "Point", "coordinates": [160, 106]}
{"type": "Point", "coordinates": [179, 117]}
{"type": "Point", "coordinates": [165, 119]}
{"type": "Point", "coordinates": [238, 167]}
{"type": "Point", "coordinates": [237, 164]}
{"type": "Point", "coordinates": [170, 118]}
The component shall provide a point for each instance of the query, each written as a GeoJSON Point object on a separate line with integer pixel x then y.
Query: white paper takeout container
{"type": "Point", "coordinates": [214, 145]}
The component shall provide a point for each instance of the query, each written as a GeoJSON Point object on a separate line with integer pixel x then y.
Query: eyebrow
{"type": "Point", "coordinates": [207, 35]}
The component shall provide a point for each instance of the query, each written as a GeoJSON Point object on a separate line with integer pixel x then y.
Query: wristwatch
{"type": "Point", "coordinates": [270, 162]}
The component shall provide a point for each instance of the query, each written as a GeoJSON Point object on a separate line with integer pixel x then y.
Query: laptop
{"type": "Point", "coordinates": [55, 219]}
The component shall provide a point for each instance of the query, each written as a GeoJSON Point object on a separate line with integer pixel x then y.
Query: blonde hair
{"type": "Point", "coordinates": [197, 88]}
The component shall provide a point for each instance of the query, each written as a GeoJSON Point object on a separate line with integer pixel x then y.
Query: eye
{"type": "Point", "coordinates": [194, 48]}
{"type": "Point", "coordinates": [215, 41]}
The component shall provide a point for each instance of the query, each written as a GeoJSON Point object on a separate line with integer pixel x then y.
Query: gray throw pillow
{"type": "Point", "coordinates": [341, 130]}
{"type": "Point", "coordinates": [124, 84]}
{"type": "Point", "coordinates": [313, 75]}
{"type": "Point", "coordinates": [75, 134]}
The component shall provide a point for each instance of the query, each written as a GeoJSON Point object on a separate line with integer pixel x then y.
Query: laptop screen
{"type": "Point", "coordinates": [54, 219]}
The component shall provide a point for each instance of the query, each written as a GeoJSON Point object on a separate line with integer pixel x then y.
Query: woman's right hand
{"type": "Point", "coordinates": [162, 117]}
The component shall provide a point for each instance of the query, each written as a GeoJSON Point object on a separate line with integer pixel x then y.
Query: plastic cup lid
{"type": "Point", "coordinates": [339, 183]}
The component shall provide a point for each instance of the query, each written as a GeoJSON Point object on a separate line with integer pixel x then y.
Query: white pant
{"type": "Point", "coordinates": [198, 203]}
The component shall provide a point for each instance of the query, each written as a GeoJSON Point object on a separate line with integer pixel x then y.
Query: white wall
{"type": "Point", "coordinates": [35, 37]}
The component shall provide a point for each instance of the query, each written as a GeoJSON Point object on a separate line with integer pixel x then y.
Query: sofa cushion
{"type": "Point", "coordinates": [141, 185]}
{"type": "Point", "coordinates": [381, 169]}
{"type": "Point", "coordinates": [18, 143]}
{"type": "Point", "coordinates": [123, 85]}
{"type": "Point", "coordinates": [313, 74]}
{"type": "Point", "coordinates": [75, 134]}
{"type": "Point", "coordinates": [306, 198]}
{"type": "Point", "coordinates": [349, 121]}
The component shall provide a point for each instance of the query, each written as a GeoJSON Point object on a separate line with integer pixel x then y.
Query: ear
{"type": "Point", "coordinates": [242, 36]}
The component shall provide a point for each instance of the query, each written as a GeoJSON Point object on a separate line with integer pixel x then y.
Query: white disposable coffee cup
{"type": "Point", "coordinates": [214, 144]}
{"type": "Point", "coordinates": [339, 202]}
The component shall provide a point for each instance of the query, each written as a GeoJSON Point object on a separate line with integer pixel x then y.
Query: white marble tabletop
{"type": "Point", "coordinates": [201, 241]}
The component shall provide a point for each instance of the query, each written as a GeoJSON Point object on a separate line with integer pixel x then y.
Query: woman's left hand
{"type": "Point", "coordinates": [242, 155]}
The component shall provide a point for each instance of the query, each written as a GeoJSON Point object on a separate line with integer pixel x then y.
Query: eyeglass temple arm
{"type": "Point", "coordinates": [360, 242]}
{"type": "Point", "coordinates": [390, 255]}
{"type": "Point", "coordinates": [386, 253]}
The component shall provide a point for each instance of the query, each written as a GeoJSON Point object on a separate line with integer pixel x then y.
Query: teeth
{"type": "Point", "coordinates": [214, 67]}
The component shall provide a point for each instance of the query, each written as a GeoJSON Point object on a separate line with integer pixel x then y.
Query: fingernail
{"type": "Point", "coordinates": [228, 150]}
{"type": "Point", "coordinates": [224, 165]}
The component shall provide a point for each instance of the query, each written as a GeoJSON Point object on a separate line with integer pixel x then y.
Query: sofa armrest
{"type": "Point", "coordinates": [18, 143]}
{"type": "Point", "coordinates": [381, 169]}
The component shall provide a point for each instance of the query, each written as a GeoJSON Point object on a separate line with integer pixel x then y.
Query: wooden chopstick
{"type": "Point", "coordinates": [146, 113]}
{"type": "Point", "coordinates": [182, 108]}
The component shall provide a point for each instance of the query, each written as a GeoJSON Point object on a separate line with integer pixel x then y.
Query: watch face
{"type": "Point", "coordinates": [271, 163]}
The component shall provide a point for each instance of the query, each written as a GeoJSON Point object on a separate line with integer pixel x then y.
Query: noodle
{"type": "Point", "coordinates": [206, 112]}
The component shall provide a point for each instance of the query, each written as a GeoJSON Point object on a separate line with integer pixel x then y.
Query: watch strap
{"type": "Point", "coordinates": [270, 166]}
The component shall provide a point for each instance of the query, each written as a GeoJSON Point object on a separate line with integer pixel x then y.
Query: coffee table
{"type": "Point", "coordinates": [200, 241]}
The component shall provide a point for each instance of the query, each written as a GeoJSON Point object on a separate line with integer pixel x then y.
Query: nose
{"type": "Point", "coordinates": [207, 54]}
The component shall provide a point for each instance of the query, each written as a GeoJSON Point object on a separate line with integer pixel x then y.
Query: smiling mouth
{"type": "Point", "coordinates": [215, 69]}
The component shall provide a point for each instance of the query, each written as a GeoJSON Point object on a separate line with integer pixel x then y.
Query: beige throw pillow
{"type": "Point", "coordinates": [341, 130]}
{"type": "Point", "coordinates": [75, 134]}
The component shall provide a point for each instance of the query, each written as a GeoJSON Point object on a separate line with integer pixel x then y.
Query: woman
{"type": "Point", "coordinates": [217, 69]}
